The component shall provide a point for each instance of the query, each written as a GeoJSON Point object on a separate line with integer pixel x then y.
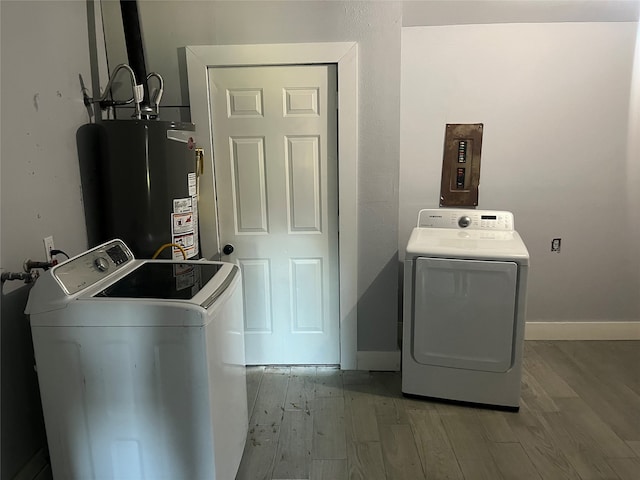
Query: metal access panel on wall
{"type": "Point", "coordinates": [461, 165]}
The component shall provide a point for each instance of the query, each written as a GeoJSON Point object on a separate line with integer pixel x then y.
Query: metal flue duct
{"type": "Point", "coordinates": [135, 47]}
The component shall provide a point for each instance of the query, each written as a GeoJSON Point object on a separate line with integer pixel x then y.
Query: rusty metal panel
{"type": "Point", "coordinates": [461, 165]}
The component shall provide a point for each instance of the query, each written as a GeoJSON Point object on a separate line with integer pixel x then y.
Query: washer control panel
{"type": "Point", "coordinates": [92, 266]}
{"type": "Point", "coordinates": [496, 220]}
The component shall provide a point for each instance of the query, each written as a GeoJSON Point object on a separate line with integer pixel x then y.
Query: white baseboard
{"type": "Point", "coordinates": [582, 331]}
{"type": "Point", "coordinates": [379, 361]}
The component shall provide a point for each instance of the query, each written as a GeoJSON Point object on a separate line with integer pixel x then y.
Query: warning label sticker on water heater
{"type": "Point", "coordinates": [182, 205]}
{"type": "Point", "coordinates": [184, 227]}
{"type": "Point", "coordinates": [192, 183]}
{"type": "Point", "coordinates": [182, 223]}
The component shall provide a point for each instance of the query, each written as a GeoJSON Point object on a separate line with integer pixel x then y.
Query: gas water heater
{"type": "Point", "coordinates": [139, 181]}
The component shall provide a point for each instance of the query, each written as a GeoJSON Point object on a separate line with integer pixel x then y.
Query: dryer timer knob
{"type": "Point", "coordinates": [464, 221]}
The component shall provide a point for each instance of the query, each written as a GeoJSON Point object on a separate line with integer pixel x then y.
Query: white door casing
{"type": "Point", "coordinates": [344, 54]}
{"type": "Point", "coordinates": [276, 182]}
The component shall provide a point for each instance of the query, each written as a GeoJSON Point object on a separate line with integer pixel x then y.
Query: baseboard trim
{"type": "Point", "coordinates": [379, 361]}
{"type": "Point", "coordinates": [390, 361]}
{"type": "Point", "coordinates": [582, 331]}
{"type": "Point", "coordinates": [34, 466]}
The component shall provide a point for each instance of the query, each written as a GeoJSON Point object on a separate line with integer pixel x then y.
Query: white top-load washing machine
{"type": "Point", "coordinates": [141, 366]}
{"type": "Point", "coordinates": [465, 282]}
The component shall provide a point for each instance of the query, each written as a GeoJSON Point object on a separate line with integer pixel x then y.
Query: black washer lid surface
{"type": "Point", "coordinates": [163, 280]}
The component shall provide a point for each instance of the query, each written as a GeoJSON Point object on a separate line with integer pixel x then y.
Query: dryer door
{"type": "Point", "coordinates": [464, 313]}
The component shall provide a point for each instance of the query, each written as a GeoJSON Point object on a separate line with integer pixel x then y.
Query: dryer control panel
{"type": "Point", "coordinates": [496, 220]}
{"type": "Point", "coordinates": [92, 266]}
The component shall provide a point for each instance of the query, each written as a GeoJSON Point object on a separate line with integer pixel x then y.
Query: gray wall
{"type": "Point", "coordinates": [474, 12]}
{"type": "Point", "coordinates": [555, 102]}
{"type": "Point", "coordinates": [376, 27]}
{"type": "Point", "coordinates": [45, 47]}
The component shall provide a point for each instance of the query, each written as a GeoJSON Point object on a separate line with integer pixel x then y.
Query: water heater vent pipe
{"type": "Point", "coordinates": [133, 41]}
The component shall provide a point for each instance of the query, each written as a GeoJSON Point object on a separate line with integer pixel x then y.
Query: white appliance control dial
{"type": "Point", "coordinates": [464, 221]}
{"type": "Point", "coordinates": [101, 264]}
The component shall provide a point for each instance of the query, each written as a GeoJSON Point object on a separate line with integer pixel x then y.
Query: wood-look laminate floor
{"type": "Point", "coordinates": [579, 419]}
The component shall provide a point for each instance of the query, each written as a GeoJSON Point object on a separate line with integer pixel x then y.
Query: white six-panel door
{"type": "Point", "coordinates": [275, 164]}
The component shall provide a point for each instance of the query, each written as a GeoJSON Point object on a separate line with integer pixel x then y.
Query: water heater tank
{"type": "Point", "coordinates": [139, 183]}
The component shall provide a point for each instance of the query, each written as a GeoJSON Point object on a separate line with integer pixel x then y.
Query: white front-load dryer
{"type": "Point", "coordinates": [465, 280]}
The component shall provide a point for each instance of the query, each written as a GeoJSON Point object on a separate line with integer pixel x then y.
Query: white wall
{"type": "Point", "coordinates": [554, 100]}
{"type": "Point", "coordinates": [633, 160]}
{"type": "Point", "coordinates": [169, 25]}
{"type": "Point", "coordinates": [45, 47]}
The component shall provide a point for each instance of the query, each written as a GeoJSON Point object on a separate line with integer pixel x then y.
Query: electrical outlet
{"type": "Point", "coordinates": [48, 246]}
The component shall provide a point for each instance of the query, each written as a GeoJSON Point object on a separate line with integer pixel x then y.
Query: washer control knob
{"type": "Point", "coordinates": [227, 249]}
{"type": "Point", "coordinates": [101, 264]}
{"type": "Point", "coordinates": [464, 221]}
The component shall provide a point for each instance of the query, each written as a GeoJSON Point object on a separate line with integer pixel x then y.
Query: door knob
{"type": "Point", "coordinates": [227, 249]}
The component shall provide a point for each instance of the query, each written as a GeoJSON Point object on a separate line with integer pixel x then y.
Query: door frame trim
{"type": "Point", "coordinates": [345, 55]}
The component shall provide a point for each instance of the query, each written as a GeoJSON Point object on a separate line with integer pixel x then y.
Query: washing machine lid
{"type": "Point", "coordinates": [467, 244]}
{"type": "Point", "coordinates": [110, 273]}
{"type": "Point", "coordinates": [163, 280]}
